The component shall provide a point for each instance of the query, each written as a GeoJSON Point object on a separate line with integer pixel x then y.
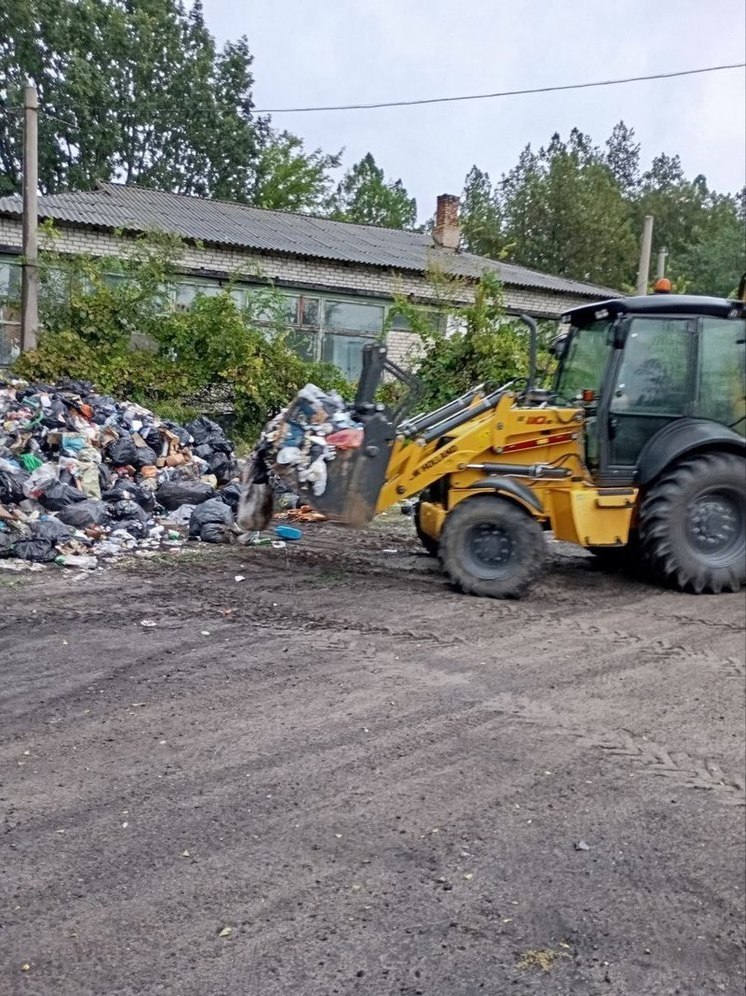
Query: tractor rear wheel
{"type": "Point", "coordinates": [490, 546]}
{"type": "Point", "coordinates": [431, 545]}
{"type": "Point", "coordinates": [693, 524]}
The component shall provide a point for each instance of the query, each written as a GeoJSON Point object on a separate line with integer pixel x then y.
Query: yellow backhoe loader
{"type": "Point", "coordinates": [636, 451]}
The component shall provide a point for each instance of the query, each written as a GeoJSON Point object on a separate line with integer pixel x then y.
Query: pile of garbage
{"type": "Point", "coordinates": [84, 476]}
{"type": "Point", "coordinates": [295, 447]}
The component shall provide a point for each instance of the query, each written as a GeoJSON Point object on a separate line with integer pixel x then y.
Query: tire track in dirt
{"type": "Point", "coordinates": [658, 651]}
{"type": "Point", "coordinates": [655, 758]}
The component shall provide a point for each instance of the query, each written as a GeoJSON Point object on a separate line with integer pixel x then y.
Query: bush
{"type": "Point", "coordinates": [467, 344]}
{"type": "Point", "coordinates": [213, 352]}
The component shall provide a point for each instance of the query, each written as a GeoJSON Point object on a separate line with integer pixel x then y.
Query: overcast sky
{"type": "Point", "coordinates": [357, 51]}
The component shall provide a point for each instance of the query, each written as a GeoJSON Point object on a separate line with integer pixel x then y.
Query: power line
{"type": "Point", "coordinates": [501, 93]}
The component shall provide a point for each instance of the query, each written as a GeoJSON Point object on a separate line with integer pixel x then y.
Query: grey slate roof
{"type": "Point", "coordinates": [224, 223]}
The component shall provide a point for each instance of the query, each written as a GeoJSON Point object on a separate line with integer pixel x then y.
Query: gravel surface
{"type": "Point", "coordinates": [339, 776]}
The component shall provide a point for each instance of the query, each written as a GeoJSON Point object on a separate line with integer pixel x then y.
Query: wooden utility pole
{"type": "Point", "coordinates": [647, 242]}
{"type": "Point", "coordinates": [30, 270]}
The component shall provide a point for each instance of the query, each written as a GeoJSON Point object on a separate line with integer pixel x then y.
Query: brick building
{"type": "Point", "coordinates": [338, 279]}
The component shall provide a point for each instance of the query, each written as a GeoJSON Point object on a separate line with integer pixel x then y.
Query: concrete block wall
{"type": "Point", "coordinates": [300, 273]}
{"type": "Point", "coordinates": [314, 273]}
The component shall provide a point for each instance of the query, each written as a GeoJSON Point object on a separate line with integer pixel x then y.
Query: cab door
{"type": "Point", "coordinates": [651, 385]}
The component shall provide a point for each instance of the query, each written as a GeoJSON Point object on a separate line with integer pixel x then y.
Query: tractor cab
{"type": "Point", "coordinates": [636, 365]}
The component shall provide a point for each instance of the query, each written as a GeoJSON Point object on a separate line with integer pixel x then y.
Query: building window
{"type": "Point", "coordinates": [351, 316]}
{"type": "Point", "coordinates": [10, 319]}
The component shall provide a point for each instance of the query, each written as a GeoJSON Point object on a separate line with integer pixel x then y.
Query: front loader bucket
{"type": "Point", "coordinates": [355, 477]}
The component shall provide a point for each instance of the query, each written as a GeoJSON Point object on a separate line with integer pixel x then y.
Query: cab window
{"type": "Point", "coordinates": [721, 391]}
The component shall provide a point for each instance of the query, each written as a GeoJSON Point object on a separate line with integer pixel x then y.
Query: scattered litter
{"type": "Point", "coordinates": [225, 932]}
{"type": "Point", "coordinates": [85, 477]}
{"type": "Point", "coordinates": [582, 846]}
{"type": "Point", "coordinates": [288, 532]}
{"type": "Point", "coordinates": [205, 632]}
{"type": "Point", "coordinates": [148, 623]}
{"type": "Point", "coordinates": [239, 577]}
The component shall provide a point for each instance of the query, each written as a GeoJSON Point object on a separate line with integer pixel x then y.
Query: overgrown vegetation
{"type": "Point", "coordinates": [466, 343]}
{"type": "Point", "coordinates": [94, 311]}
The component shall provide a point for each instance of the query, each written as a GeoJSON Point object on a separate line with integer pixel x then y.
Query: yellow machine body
{"type": "Point", "coordinates": [471, 457]}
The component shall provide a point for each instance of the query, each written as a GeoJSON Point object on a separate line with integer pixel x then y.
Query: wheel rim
{"type": "Point", "coordinates": [714, 525]}
{"type": "Point", "coordinates": [489, 551]}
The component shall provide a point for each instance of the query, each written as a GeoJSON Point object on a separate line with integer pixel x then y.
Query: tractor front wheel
{"type": "Point", "coordinates": [491, 547]}
{"type": "Point", "coordinates": [693, 524]}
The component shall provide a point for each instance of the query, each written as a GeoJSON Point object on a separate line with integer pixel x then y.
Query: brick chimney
{"type": "Point", "coordinates": [446, 233]}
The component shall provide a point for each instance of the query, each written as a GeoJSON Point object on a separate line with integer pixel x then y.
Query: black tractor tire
{"type": "Point", "coordinates": [693, 524]}
{"type": "Point", "coordinates": [431, 545]}
{"type": "Point", "coordinates": [492, 547]}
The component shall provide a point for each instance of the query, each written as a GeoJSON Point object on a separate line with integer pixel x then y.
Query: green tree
{"type": "Point", "coordinates": [365, 197]}
{"type": "Point", "coordinates": [481, 226]}
{"type": "Point", "coordinates": [623, 157]}
{"type": "Point", "coordinates": [714, 262]}
{"type": "Point", "coordinates": [703, 232]}
{"type": "Point", "coordinates": [291, 179]}
{"type": "Point", "coordinates": [138, 91]}
{"type": "Point", "coordinates": [564, 212]}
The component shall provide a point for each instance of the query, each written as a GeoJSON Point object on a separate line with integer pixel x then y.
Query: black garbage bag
{"type": "Point", "coordinates": [174, 494]}
{"type": "Point", "coordinates": [79, 387]}
{"type": "Point", "coordinates": [90, 512]}
{"type": "Point", "coordinates": [135, 527]}
{"type": "Point", "coordinates": [206, 431]}
{"type": "Point", "coordinates": [11, 487]}
{"type": "Point", "coordinates": [122, 452]}
{"type": "Point", "coordinates": [204, 451]}
{"type": "Point", "coordinates": [146, 457]}
{"type": "Point", "coordinates": [152, 437]}
{"type": "Point", "coordinates": [130, 510]}
{"type": "Point", "coordinates": [39, 550]}
{"type": "Point", "coordinates": [124, 490]}
{"type": "Point", "coordinates": [55, 415]}
{"type": "Point", "coordinates": [214, 513]}
{"type": "Point", "coordinates": [216, 532]}
{"type": "Point", "coordinates": [51, 529]}
{"type": "Point", "coordinates": [222, 466]}
{"type": "Point", "coordinates": [231, 495]}
{"type": "Point", "coordinates": [103, 407]}
{"type": "Point", "coordinates": [58, 495]}
{"type": "Point", "coordinates": [7, 542]}
{"type": "Point", "coordinates": [105, 477]}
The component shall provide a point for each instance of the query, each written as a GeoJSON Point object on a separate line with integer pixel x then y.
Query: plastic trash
{"type": "Point", "coordinates": [56, 496]}
{"type": "Point", "coordinates": [212, 522]}
{"type": "Point", "coordinates": [39, 550]}
{"type": "Point", "coordinates": [11, 487]}
{"type": "Point", "coordinates": [7, 541]}
{"type": "Point", "coordinates": [88, 512]}
{"type": "Point", "coordinates": [51, 529]}
{"type": "Point", "coordinates": [231, 495]}
{"type": "Point", "coordinates": [124, 489]}
{"type": "Point", "coordinates": [288, 532]}
{"type": "Point", "coordinates": [78, 560]}
{"type": "Point", "coordinates": [181, 515]}
{"type": "Point", "coordinates": [172, 494]}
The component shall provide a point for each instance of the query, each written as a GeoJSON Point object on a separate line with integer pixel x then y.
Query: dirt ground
{"type": "Point", "coordinates": [340, 776]}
